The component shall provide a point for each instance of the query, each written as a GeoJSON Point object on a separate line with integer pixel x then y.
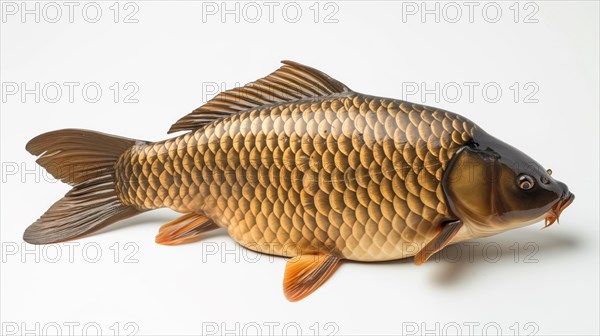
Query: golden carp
{"type": "Point", "coordinates": [298, 165]}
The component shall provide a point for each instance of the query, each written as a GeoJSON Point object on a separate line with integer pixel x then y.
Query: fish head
{"type": "Point", "coordinates": [493, 187]}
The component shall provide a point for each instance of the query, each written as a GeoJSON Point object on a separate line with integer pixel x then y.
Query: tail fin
{"type": "Point", "coordinates": [86, 160]}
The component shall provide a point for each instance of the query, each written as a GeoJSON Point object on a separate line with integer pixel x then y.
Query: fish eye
{"type": "Point", "coordinates": [525, 182]}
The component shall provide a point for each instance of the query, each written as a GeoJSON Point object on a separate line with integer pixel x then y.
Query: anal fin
{"type": "Point", "coordinates": [305, 273]}
{"type": "Point", "coordinates": [184, 229]}
{"type": "Point", "coordinates": [443, 238]}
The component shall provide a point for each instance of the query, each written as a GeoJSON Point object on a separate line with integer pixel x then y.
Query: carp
{"type": "Point", "coordinates": [296, 164]}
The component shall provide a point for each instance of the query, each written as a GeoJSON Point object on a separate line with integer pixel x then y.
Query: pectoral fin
{"type": "Point", "coordinates": [305, 273]}
{"type": "Point", "coordinates": [440, 241]}
{"type": "Point", "coordinates": [184, 229]}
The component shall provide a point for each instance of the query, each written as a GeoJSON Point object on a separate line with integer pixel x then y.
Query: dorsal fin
{"type": "Point", "coordinates": [293, 81]}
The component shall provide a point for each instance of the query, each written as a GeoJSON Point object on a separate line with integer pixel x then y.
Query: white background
{"type": "Point", "coordinates": [544, 281]}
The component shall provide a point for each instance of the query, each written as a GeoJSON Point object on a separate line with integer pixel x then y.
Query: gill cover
{"type": "Point", "coordinates": [471, 184]}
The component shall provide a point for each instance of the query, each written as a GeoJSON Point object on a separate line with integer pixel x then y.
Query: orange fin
{"type": "Point", "coordinates": [305, 273]}
{"type": "Point", "coordinates": [184, 229]}
{"type": "Point", "coordinates": [440, 241]}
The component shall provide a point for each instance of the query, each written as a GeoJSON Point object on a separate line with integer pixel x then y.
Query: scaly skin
{"type": "Point", "coordinates": [353, 175]}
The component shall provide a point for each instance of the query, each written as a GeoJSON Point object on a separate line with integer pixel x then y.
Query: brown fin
{"type": "Point", "coordinates": [305, 273]}
{"type": "Point", "coordinates": [184, 229]}
{"type": "Point", "coordinates": [86, 160]}
{"type": "Point", "coordinates": [75, 155]}
{"type": "Point", "coordinates": [293, 81]}
{"type": "Point", "coordinates": [440, 241]}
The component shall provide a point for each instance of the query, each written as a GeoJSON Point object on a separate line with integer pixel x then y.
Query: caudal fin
{"type": "Point", "coordinates": [86, 160]}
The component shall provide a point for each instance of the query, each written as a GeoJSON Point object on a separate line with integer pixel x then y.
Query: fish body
{"type": "Point", "coordinates": [354, 175]}
{"type": "Point", "coordinates": [298, 165]}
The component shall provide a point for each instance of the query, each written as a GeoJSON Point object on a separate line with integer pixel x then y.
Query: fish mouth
{"type": "Point", "coordinates": [554, 213]}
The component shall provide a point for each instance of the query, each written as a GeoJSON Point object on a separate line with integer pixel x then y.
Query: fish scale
{"type": "Point", "coordinates": [354, 175]}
